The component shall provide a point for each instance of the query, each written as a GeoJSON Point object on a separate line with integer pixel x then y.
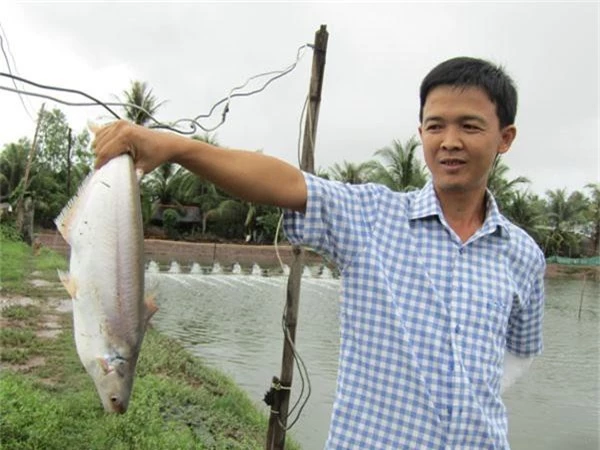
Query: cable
{"type": "Point", "coordinates": [59, 89]}
{"type": "Point", "coordinates": [276, 242]}
{"type": "Point", "coordinates": [301, 367]}
{"type": "Point", "coordinates": [193, 122]}
{"type": "Point", "coordinates": [14, 65]}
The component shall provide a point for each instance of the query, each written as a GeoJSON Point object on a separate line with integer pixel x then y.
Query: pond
{"type": "Point", "coordinates": [233, 322]}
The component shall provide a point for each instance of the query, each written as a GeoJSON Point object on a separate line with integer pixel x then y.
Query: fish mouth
{"type": "Point", "coordinates": [116, 406]}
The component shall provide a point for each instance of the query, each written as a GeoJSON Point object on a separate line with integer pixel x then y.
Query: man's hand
{"type": "Point", "coordinates": [148, 148]}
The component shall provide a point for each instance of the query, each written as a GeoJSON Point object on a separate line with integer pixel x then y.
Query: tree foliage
{"type": "Point", "coordinates": [142, 103]}
{"type": "Point", "coordinates": [60, 162]}
{"type": "Point", "coordinates": [400, 170]}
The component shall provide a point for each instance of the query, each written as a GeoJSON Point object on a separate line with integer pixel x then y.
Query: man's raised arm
{"type": "Point", "coordinates": [251, 176]}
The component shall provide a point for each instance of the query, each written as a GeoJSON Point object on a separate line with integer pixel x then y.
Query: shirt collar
{"type": "Point", "coordinates": [426, 204]}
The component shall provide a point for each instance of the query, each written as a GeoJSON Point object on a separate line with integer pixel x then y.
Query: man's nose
{"type": "Point", "coordinates": [451, 139]}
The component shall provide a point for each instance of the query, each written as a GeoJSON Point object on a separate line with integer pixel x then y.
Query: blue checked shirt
{"type": "Point", "coordinates": [425, 319]}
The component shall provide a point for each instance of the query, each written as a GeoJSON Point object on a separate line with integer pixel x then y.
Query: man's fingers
{"type": "Point", "coordinates": [108, 146]}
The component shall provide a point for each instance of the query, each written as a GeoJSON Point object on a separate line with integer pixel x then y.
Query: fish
{"type": "Point", "coordinates": [102, 224]}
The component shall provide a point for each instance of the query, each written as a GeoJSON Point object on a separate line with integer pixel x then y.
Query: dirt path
{"type": "Point", "coordinates": [45, 315]}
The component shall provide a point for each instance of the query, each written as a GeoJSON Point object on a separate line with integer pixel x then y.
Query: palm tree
{"type": "Point", "coordinates": [400, 170]}
{"type": "Point", "coordinates": [322, 173]}
{"type": "Point", "coordinates": [143, 103]}
{"type": "Point", "coordinates": [352, 173]}
{"type": "Point", "coordinates": [565, 215]}
{"type": "Point", "coordinates": [502, 188]}
{"type": "Point", "coordinates": [171, 184]}
{"type": "Point", "coordinates": [13, 160]}
{"type": "Point", "coordinates": [594, 214]}
{"type": "Point", "coordinates": [526, 211]}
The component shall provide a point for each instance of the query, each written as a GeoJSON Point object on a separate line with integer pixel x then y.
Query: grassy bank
{"type": "Point", "coordinates": [47, 401]}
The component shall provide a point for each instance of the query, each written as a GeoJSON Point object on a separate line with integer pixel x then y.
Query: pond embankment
{"type": "Point", "coordinates": [187, 253]}
{"type": "Point", "coordinates": [205, 254]}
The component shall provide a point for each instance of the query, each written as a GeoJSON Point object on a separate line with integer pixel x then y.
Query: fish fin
{"type": "Point", "coordinates": [69, 283]}
{"type": "Point", "coordinates": [104, 364]}
{"type": "Point", "coordinates": [151, 307]}
{"type": "Point", "coordinates": [67, 217]}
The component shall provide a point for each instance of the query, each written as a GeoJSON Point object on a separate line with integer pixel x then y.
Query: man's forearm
{"type": "Point", "coordinates": [251, 176]}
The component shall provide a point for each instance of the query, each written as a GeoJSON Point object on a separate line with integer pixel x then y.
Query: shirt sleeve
{"type": "Point", "coordinates": [524, 336]}
{"type": "Point", "coordinates": [339, 218]}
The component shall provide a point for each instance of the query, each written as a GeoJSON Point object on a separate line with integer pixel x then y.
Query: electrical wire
{"type": "Point", "coordinates": [174, 126]}
{"type": "Point", "coordinates": [2, 40]}
{"type": "Point", "coordinates": [193, 122]}
{"type": "Point", "coordinates": [58, 89]}
{"type": "Point", "coordinates": [301, 367]}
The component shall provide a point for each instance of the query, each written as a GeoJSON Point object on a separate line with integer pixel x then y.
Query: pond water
{"type": "Point", "coordinates": [233, 322]}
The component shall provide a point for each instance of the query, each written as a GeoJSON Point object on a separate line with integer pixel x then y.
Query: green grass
{"type": "Point", "coordinates": [17, 262]}
{"type": "Point", "coordinates": [177, 402]}
{"type": "Point", "coordinates": [15, 337]}
{"type": "Point", "coordinates": [13, 259]}
{"type": "Point", "coordinates": [26, 313]}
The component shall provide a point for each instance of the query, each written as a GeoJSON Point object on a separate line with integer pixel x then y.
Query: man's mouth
{"type": "Point", "coordinates": [452, 162]}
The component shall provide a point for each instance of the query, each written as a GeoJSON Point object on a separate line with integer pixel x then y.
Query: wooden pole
{"type": "Point", "coordinates": [20, 212]}
{"type": "Point", "coordinates": [581, 299]}
{"type": "Point", "coordinates": [69, 144]}
{"type": "Point", "coordinates": [282, 386]}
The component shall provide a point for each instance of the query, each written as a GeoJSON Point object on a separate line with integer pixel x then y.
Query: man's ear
{"type": "Point", "coordinates": [507, 134]}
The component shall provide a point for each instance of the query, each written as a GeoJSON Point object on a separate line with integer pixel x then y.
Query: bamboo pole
{"type": "Point", "coordinates": [19, 208]}
{"type": "Point", "coordinates": [282, 385]}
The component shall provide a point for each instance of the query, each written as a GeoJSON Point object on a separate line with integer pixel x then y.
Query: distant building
{"type": "Point", "coordinates": [5, 210]}
{"type": "Point", "coordinates": [188, 215]}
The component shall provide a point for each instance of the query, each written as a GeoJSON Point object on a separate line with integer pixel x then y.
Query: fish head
{"type": "Point", "coordinates": [114, 381]}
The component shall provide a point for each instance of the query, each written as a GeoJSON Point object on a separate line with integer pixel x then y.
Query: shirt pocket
{"type": "Point", "coordinates": [485, 319]}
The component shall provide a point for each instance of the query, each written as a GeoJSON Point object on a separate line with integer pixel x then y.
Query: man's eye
{"type": "Point", "coordinates": [433, 127]}
{"type": "Point", "coordinates": [471, 127]}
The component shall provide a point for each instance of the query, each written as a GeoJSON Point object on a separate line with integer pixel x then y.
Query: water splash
{"type": "Point", "coordinates": [236, 269]}
{"type": "Point", "coordinates": [216, 268]}
{"type": "Point", "coordinates": [153, 267]}
{"type": "Point", "coordinates": [196, 269]}
{"type": "Point", "coordinates": [256, 270]}
{"type": "Point", "coordinates": [175, 267]}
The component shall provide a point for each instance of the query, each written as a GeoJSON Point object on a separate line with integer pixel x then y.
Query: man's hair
{"type": "Point", "coordinates": [465, 72]}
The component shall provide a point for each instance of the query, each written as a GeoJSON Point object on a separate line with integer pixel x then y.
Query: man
{"type": "Point", "coordinates": [437, 284]}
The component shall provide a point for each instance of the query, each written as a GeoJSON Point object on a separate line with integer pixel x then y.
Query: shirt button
{"type": "Point", "coordinates": [461, 250]}
{"type": "Point", "coordinates": [457, 329]}
{"type": "Point", "coordinates": [451, 366]}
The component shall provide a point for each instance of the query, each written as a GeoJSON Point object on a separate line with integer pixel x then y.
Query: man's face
{"type": "Point", "coordinates": [461, 137]}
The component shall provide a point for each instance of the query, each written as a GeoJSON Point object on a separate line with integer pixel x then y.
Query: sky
{"type": "Point", "coordinates": [193, 54]}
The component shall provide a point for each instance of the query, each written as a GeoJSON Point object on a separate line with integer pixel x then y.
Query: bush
{"type": "Point", "coordinates": [170, 219]}
{"type": "Point", "coordinates": [8, 232]}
